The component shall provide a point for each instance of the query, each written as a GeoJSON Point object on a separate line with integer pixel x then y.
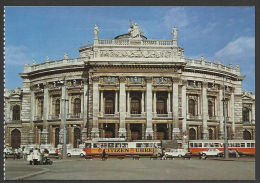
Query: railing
{"type": "Point", "coordinates": [213, 117]}
{"type": "Point", "coordinates": [135, 115]}
{"type": "Point", "coordinates": [73, 116]}
{"type": "Point", "coordinates": [109, 115]}
{"type": "Point", "coordinates": [15, 121]}
{"type": "Point", "coordinates": [37, 118]}
{"type": "Point", "coordinates": [55, 117]}
{"type": "Point", "coordinates": [127, 42]}
{"type": "Point", "coordinates": [161, 115]}
{"type": "Point", "coordinates": [194, 117]}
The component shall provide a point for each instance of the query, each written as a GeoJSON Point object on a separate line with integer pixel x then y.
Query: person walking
{"type": "Point", "coordinates": [60, 154]}
{"type": "Point", "coordinates": [163, 155]}
{"type": "Point", "coordinates": [103, 154]}
{"type": "Point", "coordinates": [24, 153]}
{"type": "Point", "coordinates": [15, 152]}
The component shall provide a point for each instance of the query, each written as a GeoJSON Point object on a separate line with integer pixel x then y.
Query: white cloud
{"type": "Point", "coordinates": [15, 55]}
{"type": "Point", "coordinates": [240, 49]}
{"type": "Point", "coordinates": [176, 16]}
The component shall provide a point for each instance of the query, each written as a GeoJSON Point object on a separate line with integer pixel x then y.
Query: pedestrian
{"type": "Point", "coordinates": [103, 154]}
{"type": "Point", "coordinates": [15, 152]}
{"type": "Point", "coordinates": [24, 153]}
{"type": "Point", "coordinates": [163, 155]}
{"type": "Point", "coordinates": [60, 154]}
{"type": "Point", "coordinates": [56, 154]}
{"type": "Point", "coordinates": [19, 153]}
{"type": "Point", "coordinates": [5, 153]}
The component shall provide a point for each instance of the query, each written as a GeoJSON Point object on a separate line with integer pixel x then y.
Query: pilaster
{"type": "Point", "coordinates": [149, 129]}
{"type": "Point", "coordinates": [95, 130]}
{"type": "Point", "coordinates": [204, 106]}
{"type": "Point", "coordinates": [122, 107]}
{"type": "Point", "coordinates": [175, 85]}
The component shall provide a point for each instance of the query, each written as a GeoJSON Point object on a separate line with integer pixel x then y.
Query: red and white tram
{"type": "Point", "coordinates": [118, 146]}
{"type": "Point", "coordinates": [244, 146]}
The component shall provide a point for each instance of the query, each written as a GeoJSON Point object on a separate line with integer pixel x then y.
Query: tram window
{"type": "Point", "coordinates": [247, 144]}
{"type": "Point", "coordinates": [216, 144]}
{"type": "Point", "coordinates": [88, 145]}
{"type": "Point", "coordinates": [125, 145]}
{"type": "Point", "coordinates": [179, 144]}
{"type": "Point", "coordinates": [191, 144]}
{"type": "Point", "coordinates": [211, 144]}
{"type": "Point", "coordinates": [118, 145]}
{"type": "Point", "coordinates": [146, 144]}
{"type": "Point", "coordinates": [96, 145]}
{"type": "Point", "coordinates": [252, 144]}
{"type": "Point", "coordinates": [110, 145]}
{"type": "Point", "coordinates": [200, 144]}
{"type": "Point", "coordinates": [206, 144]}
{"type": "Point", "coordinates": [195, 144]}
{"type": "Point", "coordinates": [238, 145]}
{"type": "Point", "coordinates": [242, 144]}
{"type": "Point", "coordinates": [138, 145]}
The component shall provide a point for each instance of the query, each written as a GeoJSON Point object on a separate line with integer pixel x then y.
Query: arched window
{"type": "Point", "coordinates": [192, 107]}
{"type": "Point", "coordinates": [109, 105]}
{"type": "Point", "coordinates": [160, 104]}
{"type": "Point", "coordinates": [210, 108]}
{"type": "Point", "coordinates": [245, 114]}
{"type": "Point", "coordinates": [16, 112]}
{"type": "Point", "coordinates": [246, 135]}
{"type": "Point", "coordinates": [77, 107]}
{"type": "Point", "coordinates": [57, 107]}
{"type": "Point", "coordinates": [192, 134]}
{"type": "Point", "coordinates": [135, 106]}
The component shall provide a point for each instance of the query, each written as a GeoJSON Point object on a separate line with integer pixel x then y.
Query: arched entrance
{"type": "Point", "coordinates": [57, 132]}
{"type": "Point", "coordinates": [192, 134]}
{"type": "Point", "coordinates": [210, 134]}
{"type": "Point", "coordinates": [76, 137]}
{"type": "Point", "coordinates": [246, 135]}
{"type": "Point", "coordinates": [161, 134]}
{"type": "Point", "coordinates": [135, 134]}
{"type": "Point", "coordinates": [109, 132]}
{"type": "Point", "coordinates": [15, 138]}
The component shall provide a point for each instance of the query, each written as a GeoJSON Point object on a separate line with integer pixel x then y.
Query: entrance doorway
{"type": "Point", "coordinates": [15, 138]}
{"type": "Point", "coordinates": [192, 134]}
{"type": "Point", "coordinates": [76, 137]}
{"type": "Point", "coordinates": [57, 132]}
{"type": "Point", "coordinates": [109, 132]}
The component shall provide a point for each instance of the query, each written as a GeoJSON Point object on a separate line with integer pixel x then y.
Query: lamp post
{"type": "Point", "coordinates": [225, 122]}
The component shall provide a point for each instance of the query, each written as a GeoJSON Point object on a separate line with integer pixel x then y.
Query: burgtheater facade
{"type": "Point", "coordinates": [128, 87]}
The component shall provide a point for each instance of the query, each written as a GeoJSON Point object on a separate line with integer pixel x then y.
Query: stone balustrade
{"type": "Point", "coordinates": [129, 42]}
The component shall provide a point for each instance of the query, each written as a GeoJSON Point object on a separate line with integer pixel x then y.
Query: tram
{"type": "Point", "coordinates": [244, 146]}
{"type": "Point", "coordinates": [118, 146]}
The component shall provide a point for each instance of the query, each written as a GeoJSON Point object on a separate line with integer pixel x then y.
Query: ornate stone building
{"type": "Point", "coordinates": [128, 87]}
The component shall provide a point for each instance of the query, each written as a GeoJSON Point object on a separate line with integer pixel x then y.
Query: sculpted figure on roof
{"type": "Point", "coordinates": [96, 30]}
{"type": "Point", "coordinates": [134, 30]}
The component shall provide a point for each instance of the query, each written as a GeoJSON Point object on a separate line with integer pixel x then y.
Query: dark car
{"type": "Point", "coordinates": [232, 152]}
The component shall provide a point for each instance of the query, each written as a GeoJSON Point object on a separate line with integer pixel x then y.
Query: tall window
{"type": "Point", "coordinates": [41, 108]}
{"type": "Point", "coordinates": [192, 107]}
{"type": "Point", "coordinates": [57, 107]}
{"type": "Point", "coordinates": [245, 114]}
{"type": "Point", "coordinates": [135, 109]}
{"type": "Point", "coordinates": [77, 107]}
{"type": "Point", "coordinates": [109, 105]}
{"type": "Point", "coordinates": [210, 134]}
{"type": "Point", "coordinates": [16, 112]}
{"type": "Point", "coordinates": [160, 106]}
{"type": "Point", "coordinates": [210, 108]}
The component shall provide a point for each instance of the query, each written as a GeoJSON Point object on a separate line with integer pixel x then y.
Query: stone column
{"type": "Point", "coordinates": [70, 106]}
{"type": "Point", "coordinates": [122, 107]}
{"type": "Point", "coordinates": [44, 133]}
{"type": "Point", "coordinates": [253, 112]}
{"type": "Point", "coordinates": [84, 132]}
{"type": "Point", "coordinates": [116, 102]}
{"type": "Point", "coordinates": [142, 103]}
{"type": "Point", "coordinates": [101, 103]}
{"type": "Point", "coordinates": [204, 106]}
{"type": "Point", "coordinates": [148, 100]}
{"type": "Point", "coordinates": [128, 104]}
{"type": "Point", "coordinates": [169, 104]}
{"type": "Point", "coordinates": [184, 103]}
{"type": "Point", "coordinates": [95, 130]}
{"type": "Point", "coordinates": [154, 104]}
{"type": "Point", "coordinates": [232, 113]}
{"type": "Point", "coordinates": [220, 114]}
{"type": "Point", "coordinates": [31, 133]}
{"type": "Point", "coordinates": [176, 130]}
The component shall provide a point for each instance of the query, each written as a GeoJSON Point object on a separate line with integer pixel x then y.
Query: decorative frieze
{"type": "Point", "coordinates": [135, 54]}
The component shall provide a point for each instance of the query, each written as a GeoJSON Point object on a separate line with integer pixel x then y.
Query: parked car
{"type": "Point", "coordinates": [232, 152]}
{"type": "Point", "coordinates": [210, 152]}
{"type": "Point", "coordinates": [176, 152]}
{"type": "Point", "coordinates": [75, 151]}
{"type": "Point", "coordinates": [8, 151]}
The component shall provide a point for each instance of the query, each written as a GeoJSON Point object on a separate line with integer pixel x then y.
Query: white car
{"type": "Point", "coordinates": [75, 151]}
{"type": "Point", "coordinates": [211, 152]}
{"type": "Point", "coordinates": [176, 152]}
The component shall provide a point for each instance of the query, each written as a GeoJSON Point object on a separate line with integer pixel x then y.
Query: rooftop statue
{"type": "Point", "coordinates": [96, 30]}
{"type": "Point", "coordinates": [47, 59]}
{"type": "Point", "coordinates": [174, 32]}
{"type": "Point", "coordinates": [26, 63]}
{"type": "Point", "coordinates": [65, 56]}
{"type": "Point", "coordinates": [34, 62]}
{"type": "Point", "coordinates": [134, 30]}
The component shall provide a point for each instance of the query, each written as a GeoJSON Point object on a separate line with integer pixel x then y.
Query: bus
{"type": "Point", "coordinates": [244, 146]}
{"type": "Point", "coordinates": [118, 146]}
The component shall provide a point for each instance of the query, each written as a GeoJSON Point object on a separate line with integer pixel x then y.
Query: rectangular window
{"type": "Point", "coordinates": [138, 144]}
{"type": "Point", "coordinates": [242, 144]}
{"type": "Point", "coordinates": [252, 144]}
{"type": "Point", "coordinates": [111, 145]}
{"type": "Point", "coordinates": [216, 144]}
{"type": "Point", "coordinates": [191, 144]}
{"type": "Point", "coordinates": [118, 145]}
{"type": "Point", "coordinates": [206, 144]}
{"type": "Point", "coordinates": [200, 144]}
{"type": "Point", "coordinates": [88, 145]}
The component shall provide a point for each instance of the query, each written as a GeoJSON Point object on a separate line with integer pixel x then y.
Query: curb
{"type": "Point", "coordinates": [31, 175]}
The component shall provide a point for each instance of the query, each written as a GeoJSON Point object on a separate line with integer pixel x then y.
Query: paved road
{"type": "Point", "coordinates": [76, 168]}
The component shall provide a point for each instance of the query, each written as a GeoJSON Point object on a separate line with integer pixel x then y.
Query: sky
{"type": "Point", "coordinates": [32, 33]}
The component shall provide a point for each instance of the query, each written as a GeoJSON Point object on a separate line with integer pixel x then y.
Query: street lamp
{"type": "Point", "coordinates": [225, 122]}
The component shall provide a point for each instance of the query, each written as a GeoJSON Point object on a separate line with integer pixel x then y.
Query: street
{"type": "Point", "coordinates": [76, 168]}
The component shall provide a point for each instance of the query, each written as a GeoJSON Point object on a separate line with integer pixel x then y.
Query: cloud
{"type": "Point", "coordinates": [15, 55]}
{"type": "Point", "coordinates": [176, 16]}
{"type": "Point", "coordinates": [241, 49]}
